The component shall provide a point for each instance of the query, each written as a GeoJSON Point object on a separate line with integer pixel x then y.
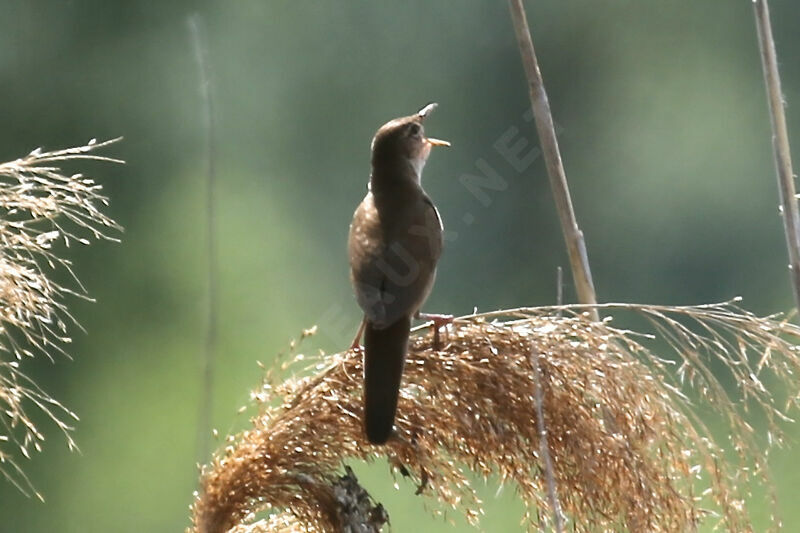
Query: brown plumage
{"type": "Point", "coordinates": [394, 245]}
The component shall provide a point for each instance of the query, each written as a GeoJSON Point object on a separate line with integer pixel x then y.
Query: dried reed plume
{"type": "Point", "coordinates": [39, 206]}
{"type": "Point", "coordinates": [628, 448]}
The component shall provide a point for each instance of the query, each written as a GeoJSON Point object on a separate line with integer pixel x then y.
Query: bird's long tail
{"type": "Point", "coordinates": [384, 355]}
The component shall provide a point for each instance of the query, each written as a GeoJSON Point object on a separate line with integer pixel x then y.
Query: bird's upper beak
{"type": "Point", "coordinates": [427, 110]}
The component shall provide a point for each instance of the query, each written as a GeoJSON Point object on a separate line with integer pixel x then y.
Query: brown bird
{"type": "Point", "coordinates": [394, 245]}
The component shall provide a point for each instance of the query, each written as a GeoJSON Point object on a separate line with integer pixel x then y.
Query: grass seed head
{"type": "Point", "coordinates": [627, 447]}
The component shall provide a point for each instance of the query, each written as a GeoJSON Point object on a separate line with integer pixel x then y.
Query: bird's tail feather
{"type": "Point", "coordinates": [384, 355]}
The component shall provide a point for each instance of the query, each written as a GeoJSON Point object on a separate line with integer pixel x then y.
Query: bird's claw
{"type": "Point", "coordinates": [355, 347]}
{"type": "Point", "coordinates": [439, 321]}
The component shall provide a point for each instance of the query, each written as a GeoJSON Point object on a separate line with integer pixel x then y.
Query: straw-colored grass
{"type": "Point", "coordinates": [42, 210]}
{"type": "Point", "coordinates": [627, 447]}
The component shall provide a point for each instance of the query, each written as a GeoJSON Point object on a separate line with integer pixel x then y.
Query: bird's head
{"type": "Point", "coordinates": [402, 141]}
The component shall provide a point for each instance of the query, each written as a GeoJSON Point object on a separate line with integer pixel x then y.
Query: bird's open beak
{"type": "Point", "coordinates": [436, 142]}
{"type": "Point", "coordinates": [423, 114]}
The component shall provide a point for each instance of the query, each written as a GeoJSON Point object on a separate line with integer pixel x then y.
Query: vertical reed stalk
{"type": "Point", "coordinates": [206, 403]}
{"type": "Point", "coordinates": [780, 142]}
{"type": "Point", "coordinates": [576, 246]}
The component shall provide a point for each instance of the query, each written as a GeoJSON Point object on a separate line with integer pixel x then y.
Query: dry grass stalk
{"type": "Point", "coordinates": [200, 45]}
{"type": "Point", "coordinates": [780, 141]}
{"type": "Point", "coordinates": [39, 207]}
{"type": "Point", "coordinates": [628, 449]}
{"type": "Point", "coordinates": [544, 447]}
{"type": "Point", "coordinates": [545, 127]}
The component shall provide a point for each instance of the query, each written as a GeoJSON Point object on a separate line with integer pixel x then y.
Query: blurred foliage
{"type": "Point", "coordinates": [664, 133]}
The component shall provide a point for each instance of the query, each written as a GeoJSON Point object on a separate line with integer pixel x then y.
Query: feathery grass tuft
{"type": "Point", "coordinates": [628, 447]}
{"type": "Point", "coordinates": [39, 207]}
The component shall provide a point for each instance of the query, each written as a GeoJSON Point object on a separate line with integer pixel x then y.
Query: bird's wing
{"type": "Point", "coordinates": [393, 269]}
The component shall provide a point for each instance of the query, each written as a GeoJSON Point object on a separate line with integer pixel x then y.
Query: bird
{"type": "Point", "coordinates": [394, 245]}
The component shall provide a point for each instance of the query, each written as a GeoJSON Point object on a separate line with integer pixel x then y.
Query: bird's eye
{"type": "Point", "coordinates": [414, 129]}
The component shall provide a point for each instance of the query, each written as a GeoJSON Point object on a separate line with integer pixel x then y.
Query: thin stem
{"type": "Point", "coordinates": [206, 403]}
{"type": "Point", "coordinates": [576, 246]}
{"type": "Point", "coordinates": [560, 287]}
{"type": "Point", "coordinates": [544, 448]}
{"type": "Point", "coordinates": [780, 141]}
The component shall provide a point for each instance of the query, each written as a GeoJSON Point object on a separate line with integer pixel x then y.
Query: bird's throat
{"type": "Point", "coordinates": [405, 173]}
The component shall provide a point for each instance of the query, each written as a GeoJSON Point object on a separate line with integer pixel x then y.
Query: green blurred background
{"type": "Point", "coordinates": [664, 132]}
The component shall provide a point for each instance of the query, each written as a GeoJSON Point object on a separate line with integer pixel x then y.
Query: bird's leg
{"type": "Point", "coordinates": [438, 322]}
{"type": "Point", "coordinates": [356, 344]}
